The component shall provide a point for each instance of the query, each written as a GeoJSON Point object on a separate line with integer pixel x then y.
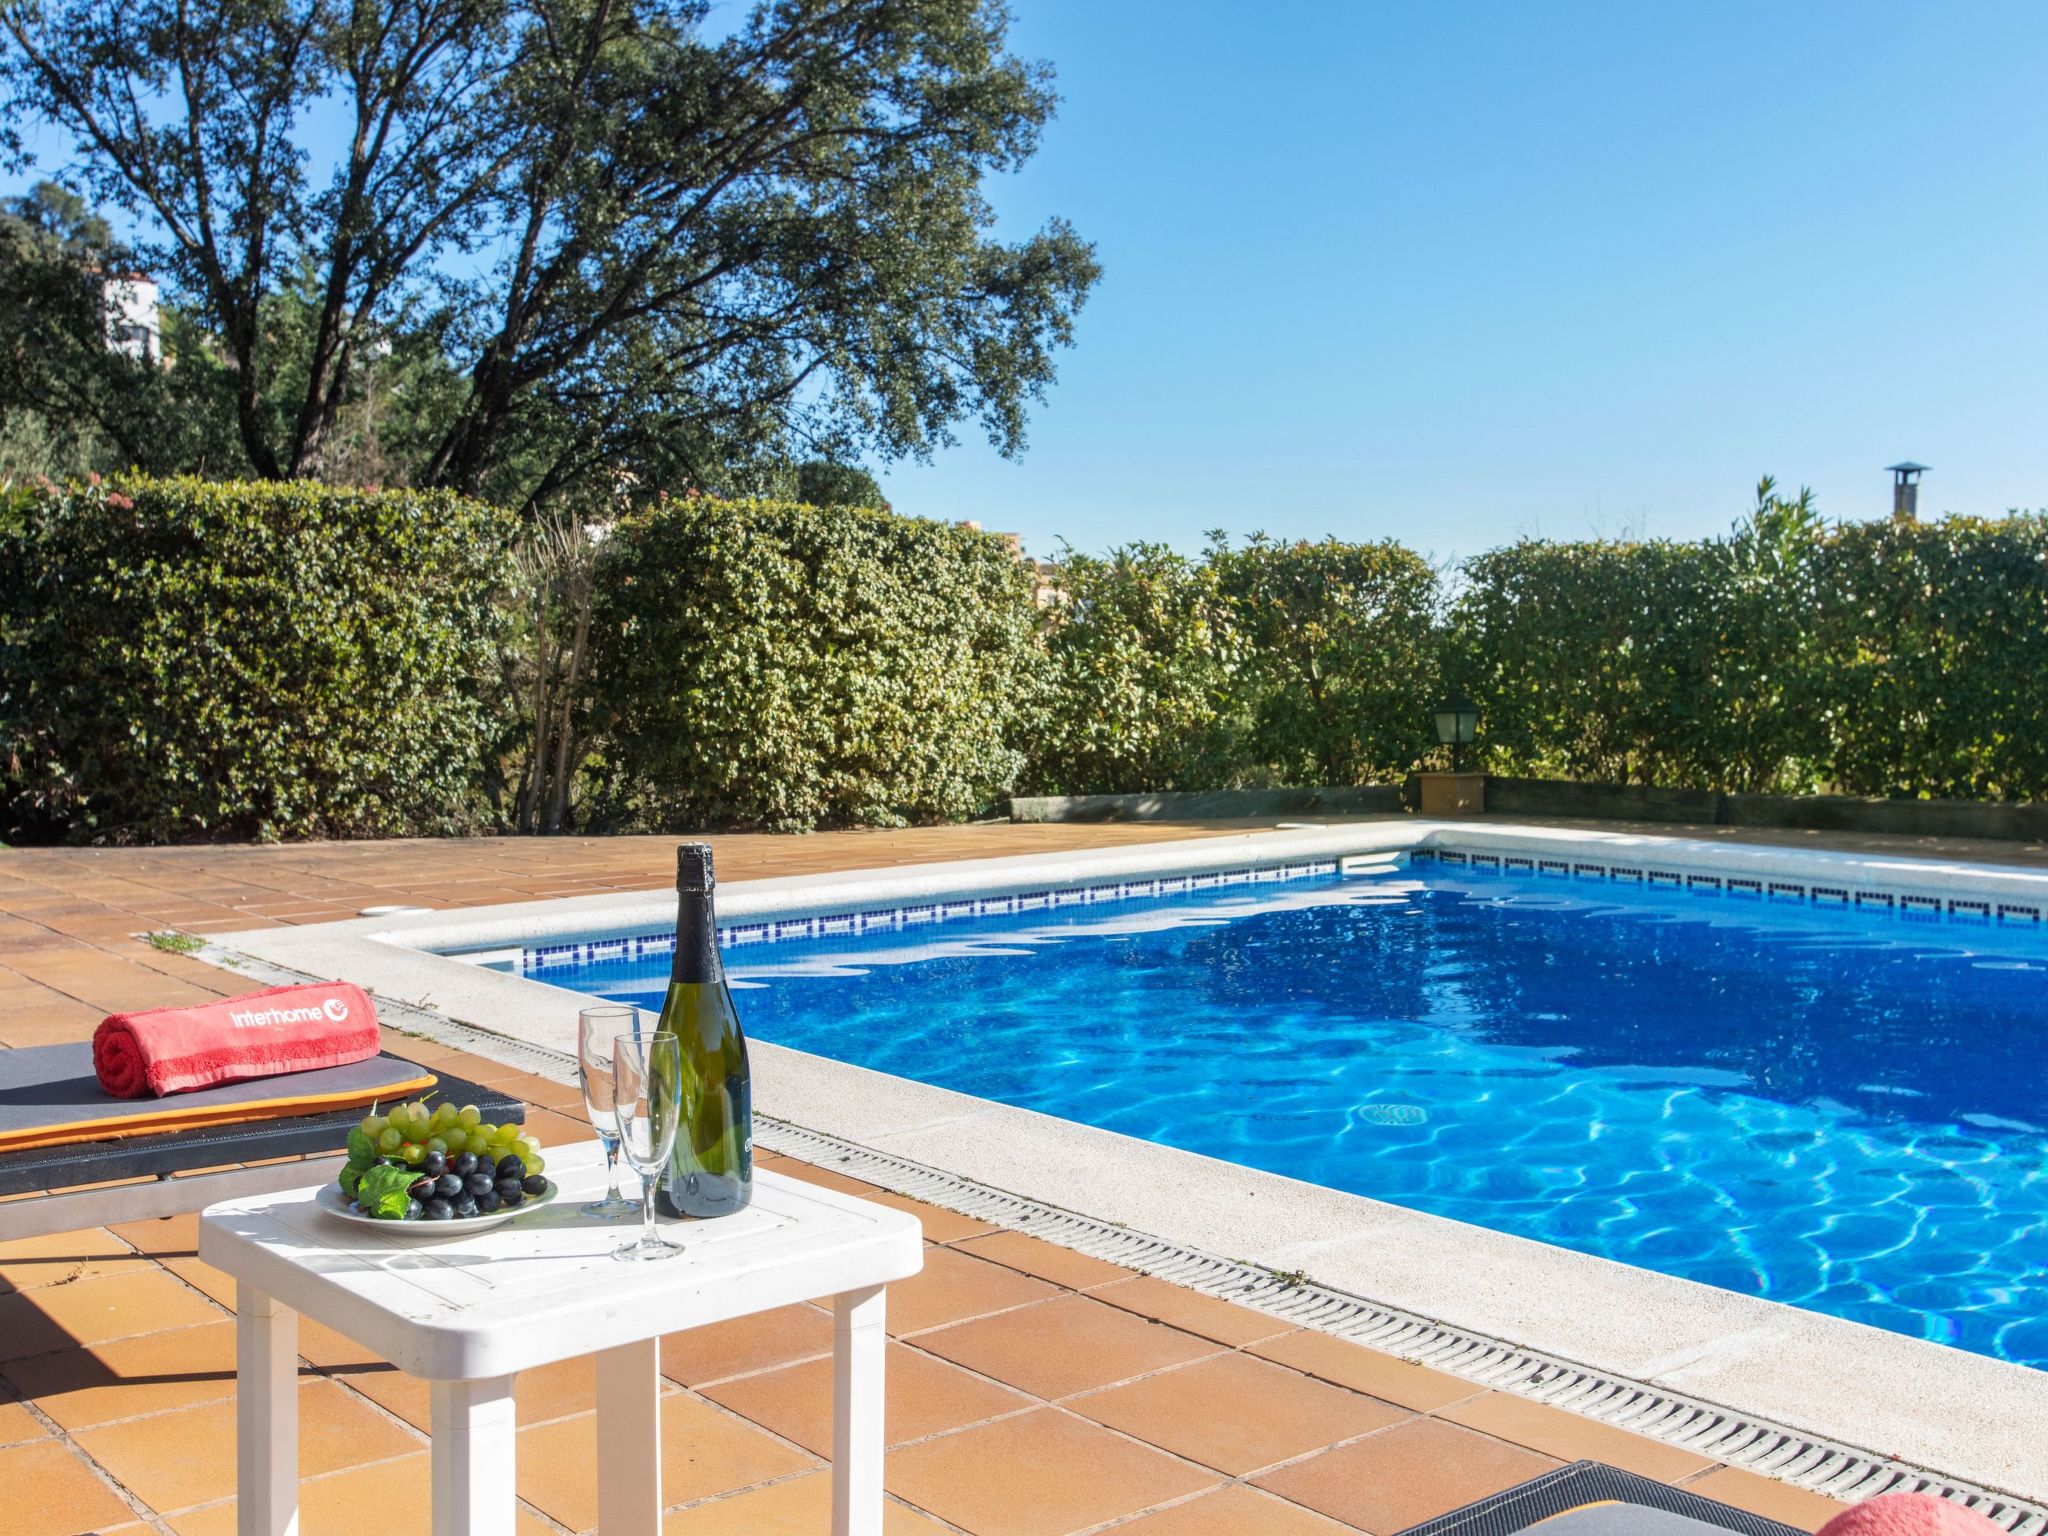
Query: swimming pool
{"type": "Point", "coordinates": [1833, 1108]}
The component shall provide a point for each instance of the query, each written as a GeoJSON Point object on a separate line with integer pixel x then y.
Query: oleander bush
{"type": "Point", "coordinates": [771, 664]}
{"type": "Point", "coordinates": [184, 659]}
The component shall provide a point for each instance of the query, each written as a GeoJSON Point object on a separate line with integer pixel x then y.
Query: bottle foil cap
{"type": "Point", "coordinates": [693, 867]}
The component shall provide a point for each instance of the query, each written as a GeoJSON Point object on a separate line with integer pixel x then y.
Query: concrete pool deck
{"type": "Point", "coordinates": [1210, 1416]}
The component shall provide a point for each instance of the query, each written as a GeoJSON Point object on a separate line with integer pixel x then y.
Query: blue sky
{"type": "Point", "coordinates": [1459, 273]}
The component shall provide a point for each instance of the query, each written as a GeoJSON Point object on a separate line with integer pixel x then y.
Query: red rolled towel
{"type": "Point", "coordinates": [264, 1034]}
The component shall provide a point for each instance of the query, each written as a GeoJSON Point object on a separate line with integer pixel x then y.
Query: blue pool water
{"type": "Point", "coordinates": [1837, 1110]}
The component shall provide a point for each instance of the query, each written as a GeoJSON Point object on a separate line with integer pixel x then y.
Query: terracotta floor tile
{"type": "Point", "coordinates": [557, 1391]}
{"type": "Point", "coordinates": [925, 1397]}
{"type": "Point", "coordinates": [1236, 1414]}
{"type": "Point", "coordinates": [392, 1390]}
{"type": "Point", "coordinates": [162, 1236]}
{"type": "Point", "coordinates": [203, 1277]}
{"type": "Point", "coordinates": [28, 1263]}
{"type": "Point", "coordinates": [1065, 1345]}
{"type": "Point", "coordinates": [551, 1392]}
{"type": "Point", "coordinates": [174, 1460]}
{"type": "Point", "coordinates": [324, 1347]}
{"type": "Point", "coordinates": [1234, 1511]}
{"type": "Point", "coordinates": [953, 1287]}
{"type": "Point", "coordinates": [1766, 1496]}
{"type": "Point", "coordinates": [703, 1452]}
{"type": "Point", "coordinates": [830, 1178]}
{"type": "Point", "coordinates": [71, 1023]}
{"type": "Point", "coordinates": [17, 1424]}
{"type": "Point", "coordinates": [1572, 1436]}
{"type": "Point", "coordinates": [340, 1504]}
{"type": "Point", "coordinates": [757, 1343]}
{"type": "Point", "coordinates": [801, 1506]}
{"type": "Point", "coordinates": [92, 1311]}
{"type": "Point", "coordinates": [563, 1098]}
{"type": "Point", "coordinates": [1049, 1261]}
{"type": "Point", "coordinates": [51, 1492]}
{"type": "Point", "coordinates": [1040, 1474]}
{"type": "Point", "coordinates": [125, 1378]}
{"type": "Point", "coordinates": [424, 1051]}
{"type": "Point", "coordinates": [1400, 1476]}
{"type": "Point", "coordinates": [1192, 1311]}
{"type": "Point", "coordinates": [553, 1130]}
{"type": "Point", "coordinates": [940, 1224]}
{"type": "Point", "coordinates": [1367, 1370]}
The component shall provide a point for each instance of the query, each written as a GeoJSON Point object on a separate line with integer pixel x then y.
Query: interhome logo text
{"type": "Point", "coordinates": [333, 1011]}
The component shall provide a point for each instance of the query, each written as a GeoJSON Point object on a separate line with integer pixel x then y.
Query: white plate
{"type": "Point", "coordinates": [336, 1204]}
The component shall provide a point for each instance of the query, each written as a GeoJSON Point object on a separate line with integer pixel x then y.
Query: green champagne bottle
{"type": "Point", "coordinates": [711, 1172]}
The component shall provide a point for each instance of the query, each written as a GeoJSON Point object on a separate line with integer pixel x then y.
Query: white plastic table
{"type": "Point", "coordinates": [469, 1313]}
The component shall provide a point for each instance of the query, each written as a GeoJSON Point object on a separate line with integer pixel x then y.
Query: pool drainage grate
{"type": "Point", "coordinates": [1694, 1424]}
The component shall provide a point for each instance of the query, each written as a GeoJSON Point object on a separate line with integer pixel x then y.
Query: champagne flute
{"type": "Point", "coordinates": [648, 1099]}
{"type": "Point", "coordinates": [596, 1029]}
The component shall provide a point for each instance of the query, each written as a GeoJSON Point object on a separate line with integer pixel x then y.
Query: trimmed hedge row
{"type": "Point", "coordinates": [187, 659]}
{"type": "Point", "coordinates": [786, 666]}
{"type": "Point", "coordinates": [181, 659]}
{"type": "Point", "coordinates": [1889, 658]}
{"type": "Point", "coordinates": [1307, 663]}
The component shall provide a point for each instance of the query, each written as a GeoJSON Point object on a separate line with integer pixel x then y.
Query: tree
{"type": "Point", "coordinates": [70, 404]}
{"type": "Point", "coordinates": [639, 245]}
{"type": "Point", "coordinates": [821, 483]}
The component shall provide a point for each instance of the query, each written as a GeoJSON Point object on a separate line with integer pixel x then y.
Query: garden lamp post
{"type": "Point", "coordinates": [1457, 722]}
{"type": "Point", "coordinates": [1457, 793]}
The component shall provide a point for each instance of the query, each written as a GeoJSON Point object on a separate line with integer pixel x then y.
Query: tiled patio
{"type": "Point", "coordinates": [1033, 1391]}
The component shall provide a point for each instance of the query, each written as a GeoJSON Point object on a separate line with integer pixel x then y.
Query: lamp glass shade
{"type": "Point", "coordinates": [1457, 722]}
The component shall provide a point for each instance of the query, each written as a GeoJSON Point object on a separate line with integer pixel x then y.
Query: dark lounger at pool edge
{"type": "Point", "coordinates": [49, 1097]}
{"type": "Point", "coordinates": [161, 1157]}
{"type": "Point", "coordinates": [1590, 1498]}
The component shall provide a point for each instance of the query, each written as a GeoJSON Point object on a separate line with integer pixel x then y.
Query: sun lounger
{"type": "Point", "coordinates": [110, 1160]}
{"type": "Point", "coordinates": [1589, 1498]}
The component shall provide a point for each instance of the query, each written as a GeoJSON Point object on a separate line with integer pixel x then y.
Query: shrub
{"type": "Point", "coordinates": [1342, 645]}
{"type": "Point", "coordinates": [181, 659]}
{"type": "Point", "coordinates": [1578, 654]}
{"type": "Point", "coordinates": [1933, 648]}
{"type": "Point", "coordinates": [1882, 658]}
{"type": "Point", "coordinates": [785, 666]}
{"type": "Point", "coordinates": [1143, 664]}
{"type": "Point", "coordinates": [1684, 664]}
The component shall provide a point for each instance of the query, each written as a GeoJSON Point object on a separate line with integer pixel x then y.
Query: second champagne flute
{"type": "Point", "coordinates": [648, 1068]}
{"type": "Point", "coordinates": [596, 1029]}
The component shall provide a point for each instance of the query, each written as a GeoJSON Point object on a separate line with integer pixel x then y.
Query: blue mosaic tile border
{"type": "Point", "coordinates": [917, 914]}
{"type": "Point", "coordinates": [1962, 909]}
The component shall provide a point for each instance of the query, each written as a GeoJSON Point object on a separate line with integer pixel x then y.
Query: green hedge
{"type": "Point", "coordinates": [185, 659]}
{"type": "Point", "coordinates": [1885, 658]}
{"type": "Point", "coordinates": [181, 659]}
{"type": "Point", "coordinates": [1273, 663]}
{"type": "Point", "coordinates": [1342, 656]}
{"type": "Point", "coordinates": [785, 666]}
{"type": "Point", "coordinates": [1930, 645]}
{"type": "Point", "coordinates": [1143, 671]}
